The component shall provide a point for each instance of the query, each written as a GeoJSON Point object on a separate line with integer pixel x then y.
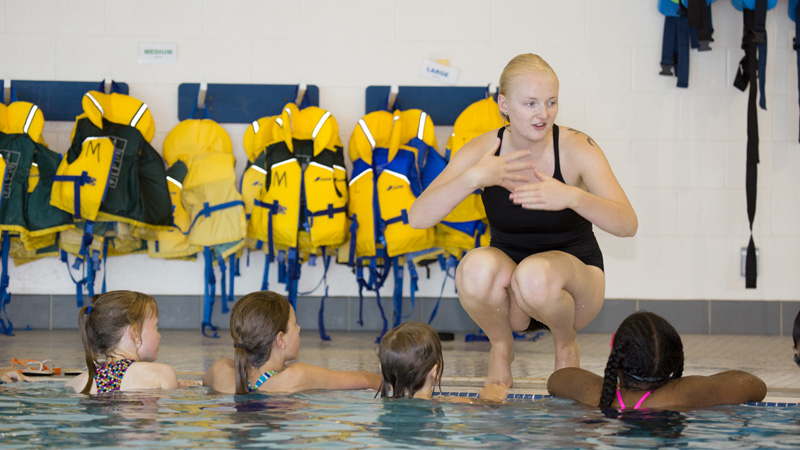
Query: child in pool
{"type": "Point", "coordinates": [644, 371]}
{"type": "Point", "coordinates": [411, 362]}
{"type": "Point", "coordinates": [120, 327]}
{"type": "Point", "coordinates": [266, 337]}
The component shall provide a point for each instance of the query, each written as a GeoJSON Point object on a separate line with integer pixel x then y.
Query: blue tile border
{"type": "Point", "coordinates": [510, 396]}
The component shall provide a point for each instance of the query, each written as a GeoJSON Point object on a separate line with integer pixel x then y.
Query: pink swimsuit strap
{"type": "Point", "coordinates": [638, 404]}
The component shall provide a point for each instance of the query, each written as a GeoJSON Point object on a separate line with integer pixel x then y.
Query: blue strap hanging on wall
{"type": "Point", "coordinates": [6, 327]}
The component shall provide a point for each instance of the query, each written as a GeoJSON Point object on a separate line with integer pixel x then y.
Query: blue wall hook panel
{"type": "Point", "coordinates": [242, 103]}
{"type": "Point", "coordinates": [58, 100]}
{"type": "Point", "coordinates": [442, 103]}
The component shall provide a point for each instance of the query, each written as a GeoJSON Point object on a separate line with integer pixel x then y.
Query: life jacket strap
{"type": "Point", "coordinates": [209, 293]}
{"type": "Point", "coordinates": [6, 327]}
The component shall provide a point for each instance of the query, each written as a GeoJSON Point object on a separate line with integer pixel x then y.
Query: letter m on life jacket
{"type": "Point", "coordinates": [279, 178]}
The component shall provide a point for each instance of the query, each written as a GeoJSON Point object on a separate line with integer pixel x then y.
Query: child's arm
{"type": "Point", "coordinates": [10, 376]}
{"type": "Point", "coordinates": [732, 387]}
{"type": "Point", "coordinates": [576, 384]}
{"type": "Point", "coordinates": [301, 377]}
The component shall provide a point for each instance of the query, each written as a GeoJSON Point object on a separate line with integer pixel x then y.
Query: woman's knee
{"type": "Point", "coordinates": [481, 273]}
{"type": "Point", "coordinates": [535, 282]}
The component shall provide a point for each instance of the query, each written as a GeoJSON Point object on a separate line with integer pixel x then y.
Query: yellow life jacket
{"type": "Point", "coordinates": [207, 208]}
{"type": "Point", "coordinates": [257, 137]}
{"type": "Point", "coordinates": [466, 226]}
{"type": "Point", "coordinates": [303, 201]}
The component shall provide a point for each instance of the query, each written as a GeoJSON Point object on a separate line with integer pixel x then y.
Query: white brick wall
{"type": "Point", "coordinates": [679, 153]}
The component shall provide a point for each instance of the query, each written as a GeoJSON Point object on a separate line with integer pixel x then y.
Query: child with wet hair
{"type": "Point", "coordinates": [266, 337]}
{"type": "Point", "coordinates": [644, 370]}
{"type": "Point", "coordinates": [411, 361]}
{"type": "Point", "coordinates": [119, 331]}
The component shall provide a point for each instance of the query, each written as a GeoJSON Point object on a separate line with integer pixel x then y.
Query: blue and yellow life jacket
{"type": "Point", "coordinates": [385, 149]}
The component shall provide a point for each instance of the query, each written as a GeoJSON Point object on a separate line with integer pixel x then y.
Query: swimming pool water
{"type": "Point", "coordinates": [45, 415]}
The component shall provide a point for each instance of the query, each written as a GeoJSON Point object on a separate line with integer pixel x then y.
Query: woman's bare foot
{"type": "Point", "coordinates": [500, 366]}
{"type": "Point", "coordinates": [493, 392]}
{"type": "Point", "coordinates": [568, 355]}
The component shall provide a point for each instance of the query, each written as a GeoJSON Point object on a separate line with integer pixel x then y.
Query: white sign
{"type": "Point", "coordinates": [158, 53]}
{"type": "Point", "coordinates": [439, 72]}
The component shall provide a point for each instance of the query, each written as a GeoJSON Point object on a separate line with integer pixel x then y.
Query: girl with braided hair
{"type": "Point", "coordinates": [645, 369]}
{"type": "Point", "coordinates": [266, 337]}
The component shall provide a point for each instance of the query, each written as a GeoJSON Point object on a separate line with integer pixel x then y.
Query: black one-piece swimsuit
{"type": "Point", "coordinates": [520, 232]}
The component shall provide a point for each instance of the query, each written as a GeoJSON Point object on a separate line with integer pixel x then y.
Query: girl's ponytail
{"type": "Point", "coordinates": [83, 318]}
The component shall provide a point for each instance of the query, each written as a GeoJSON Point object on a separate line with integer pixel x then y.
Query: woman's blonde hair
{"type": "Point", "coordinates": [101, 325]}
{"type": "Point", "coordinates": [524, 64]}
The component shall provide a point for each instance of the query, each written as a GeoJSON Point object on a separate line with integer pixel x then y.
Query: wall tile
{"type": "Point", "coordinates": [213, 60]}
{"type": "Point", "coordinates": [745, 317]}
{"type": "Point", "coordinates": [251, 18]}
{"type": "Point", "coordinates": [119, 59]}
{"type": "Point", "coordinates": [154, 19]}
{"type": "Point", "coordinates": [643, 116]}
{"type": "Point", "coordinates": [678, 163]}
{"type": "Point", "coordinates": [177, 312]}
{"type": "Point", "coordinates": [465, 20]}
{"type": "Point", "coordinates": [513, 21]}
{"type": "Point", "coordinates": [29, 312]}
{"type": "Point", "coordinates": [450, 317]}
{"type": "Point", "coordinates": [789, 312]}
{"type": "Point", "coordinates": [28, 57]}
{"type": "Point", "coordinates": [64, 311]}
{"type": "Point", "coordinates": [43, 16]}
{"type": "Point", "coordinates": [688, 317]}
{"type": "Point", "coordinates": [657, 210]}
{"type": "Point", "coordinates": [607, 26]}
{"type": "Point", "coordinates": [610, 316]}
{"type": "Point", "coordinates": [355, 19]}
{"type": "Point", "coordinates": [274, 62]}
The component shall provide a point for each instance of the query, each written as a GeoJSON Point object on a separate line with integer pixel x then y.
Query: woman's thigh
{"type": "Point", "coordinates": [544, 277]}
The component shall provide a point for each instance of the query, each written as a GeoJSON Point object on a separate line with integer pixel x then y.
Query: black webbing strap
{"type": "Point", "coordinates": [797, 45]}
{"type": "Point", "coordinates": [748, 74]}
{"type": "Point", "coordinates": [699, 12]}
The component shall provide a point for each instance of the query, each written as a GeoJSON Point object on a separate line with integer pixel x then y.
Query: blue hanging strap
{"type": "Point", "coordinates": [447, 264]}
{"type": "Point", "coordinates": [326, 261]}
{"type": "Point", "coordinates": [106, 243]}
{"type": "Point", "coordinates": [78, 283]}
{"type": "Point", "coordinates": [351, 260]}
{"type": "Point", "coordinates": [223, 288]}
{"type": "Point", "coordinates": [413, 286]}
{"type": "Point", "coordinates": [265, 278]}
{"type": "Point", "coordinates": [208, 295]}
{"type": "Point", "coordinates": [6, 327]}
{"type": "Point", "coordinates": [272, 209]}
{"type": "Point", "coordinates": [293, 275]}
{"type": "Point", "coordinates": [233, 266]}
{"type": "Point", "coordinates": [397, 298]}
